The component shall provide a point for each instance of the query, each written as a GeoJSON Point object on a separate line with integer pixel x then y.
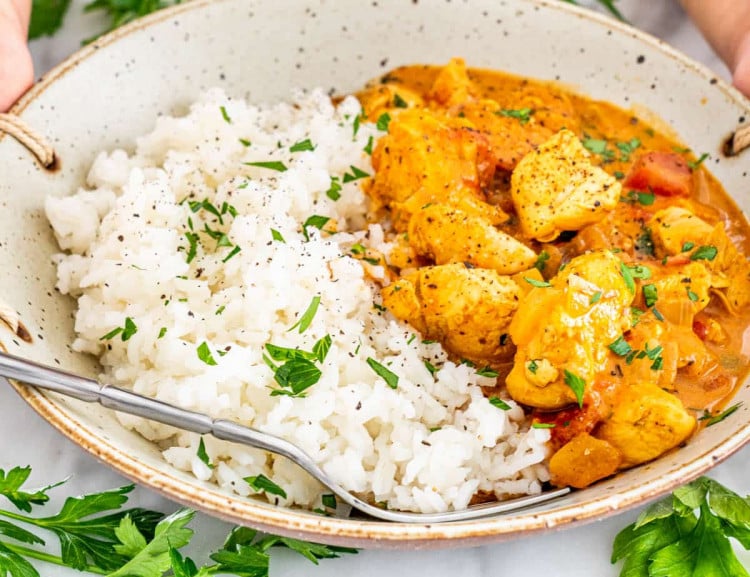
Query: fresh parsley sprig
{"type": "Point", "coordinates": [99, 537]}
{"type": "Point", "coordinates": [687, 534]}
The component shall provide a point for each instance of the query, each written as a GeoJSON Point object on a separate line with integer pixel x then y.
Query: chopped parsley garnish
{"type": "Point", "coordinates": [399, 102]}
{"type": "Point", "coordinates": [532, 366]}
{"type": "Point", "coordinates": [430, 367]}
{"type": "Point", "coordinates": [541, 261]}
{"type": "Point", "coordinates": [334, 190]}
{"type": "Point", "coordinates": [523, 115]}
{"type": "Point", "coordinates": [245, 142]}
{"type": "Point", "coordinates": [232, 253]}
{"type": "Point", "coordinates": [204, 354]}
{"type": "Point", "coordinates": [499, 403]}
{"type": "Point", "coordinates": [691, 295]}
{"type": "Point", "coordinates": [543, 425]}
{"type": "Point", "coordinates": [276, 165]}
{"type": "Point", "coordinates": [220, 310]}
{"type": "Point", "coordinates": [627, 148]}
{"type": "Point", "coordinates": [315, 221]}
{"type": "Point", "coordinates": [125, 332]}
{"type": "Point", "coordinates": [368, 146]}
{"type": "Point", "coordinates": [357, 123]}
{"type": "Point", "coordinates": [321, 348]}
{"type": "Point", "coordinates": [390, 378]}
{"type": "Point", "coordinates": [620, 346]}
{"type": "Point", "coordinates": [225, 115]}
{"type": "Point", "coordinates": [686, 246]}
{"type": "Point", "coordinates": [598, 146]}
{"type": "Point", "coordinates": [577, 385]}
{"type": "Point", "coordinates": [650, 294]}
{"type": "Point", "coordinates": [657, 314]}
{"type": "Point", "coordinates": [537, 283]}
{"type": "Point", "coordinates": [276, 235]}
{"type": "Point", "coordinates": [307, 317]}
{"type": "Point", "coordinates": [705, 252]}
{"type": "Point", "coordinates": [714, 419]}
{"type": "Point", "coordinates": [192, 238]}
{"type": "Point", "coordinates": [297, 375]}
{"type": "Point", "coordinates": [635, 314]}
{"type": "Point", "coordinates": [595, 298]}
{"type": "Point", "coordinates": [358, 249]}
{"type": "Point", "coordinates": [627, 276]}
{"type": "Point", "coordinates": [203, 455]}
{"type": "Point", "coordinates": [329, 500]}
{"type": "Point", "coordinates": [263, 483]}
{"type": "Point", "coordinates": [302, 146]}
{"type": "Point", "coordinates": [488, 372]}
{"type": "Point", "coordinates": [644, 244]}
{"type": "Point", "coordinates": [162, 332]}
{"type": "Point", "coordinates": [693, 164]}
{"type": "Point", "coordinates": [646, 198]}
{"type": "Point", "coordinates": [355, 174]}
{"type": "Point", "coordinates": [383, 121]}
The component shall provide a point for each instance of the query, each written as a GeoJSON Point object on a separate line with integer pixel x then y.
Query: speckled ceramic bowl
{"type": "Point", "coordinates": [114, 89]}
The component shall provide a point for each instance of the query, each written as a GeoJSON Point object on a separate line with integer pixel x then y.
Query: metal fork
{"type": "Point", "coordinates": [125, 401]}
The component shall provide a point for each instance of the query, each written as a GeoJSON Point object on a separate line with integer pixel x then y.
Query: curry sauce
{"type": "Point", "coordinates": [586, 257]}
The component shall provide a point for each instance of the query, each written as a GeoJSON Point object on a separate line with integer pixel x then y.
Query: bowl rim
{"type": "Point", "coordinates": [358, 532]}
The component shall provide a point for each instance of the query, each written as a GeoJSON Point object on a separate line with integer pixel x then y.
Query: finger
{"type": "Point", "coordinates": [741, 73]}
{"type": "Point", "coordinates": [23, 9]}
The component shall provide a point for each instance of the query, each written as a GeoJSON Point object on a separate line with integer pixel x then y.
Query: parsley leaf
{"type": "Point", "coordinates": [383, 121]}
{"type": "Point", "coordinates": [307, 317]}
{"type": "Point", "coordinates": [670, 539]}
{"type": "Point", "coordinates": [577, 384]}
{"type": "Point", "coordinates": [706, 252]}
{"type": "Point", "coordinates": [523, 115]}
{"type": "Point", "coordinates": [263, 483]}
{"type": "Point", "coordinates": [302, 146]}
{"type": "Point", "coordinates": [390, 378]}
{"type": "Point", "coordinates": [537, 283]}
{"type": "Point", "coordinates": [47, 17]}
{"type": "Point", "coordinates": [499, 403]}
{"type": "Point", "coordinates": [204, 354]}
{"type": "Point", "coordinates": [151, 558]}
{"type": "Point", "coordinates": [276, 165]}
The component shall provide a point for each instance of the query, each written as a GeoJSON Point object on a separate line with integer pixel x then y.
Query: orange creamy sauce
{"type": "Point", "coordinates": [703, 355]}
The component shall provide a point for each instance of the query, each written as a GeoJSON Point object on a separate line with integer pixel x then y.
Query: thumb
{"type": "Point", "coordinates": [16, 66]}
{"type": "Point", "coordinates": [741, 72]}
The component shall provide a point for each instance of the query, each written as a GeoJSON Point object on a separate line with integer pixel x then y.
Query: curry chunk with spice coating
{"type": "Point", "coordinates": [680, 234]}
{"type": "Point", "coordinates": [583, 461]}
{"type": "Point", "coordinates": [445, 234]}
{"type": "Point", "coordinates": [646, 422]}
{"type": "Point", "coordinates": [466, 309]}
{"type": "Point", "coordinates": [563, 328]}
{"type": "Point", "coordinates": [556, 188]}
{"type": "Point", "coordinates": [428, 157]}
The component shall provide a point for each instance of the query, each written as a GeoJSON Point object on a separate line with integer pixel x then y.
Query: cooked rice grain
{"type": "Point", "coordinates": [428, 445]}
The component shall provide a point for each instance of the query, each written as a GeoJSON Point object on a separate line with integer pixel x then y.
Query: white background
{"type": "Point", "coordinates": [28, 440]}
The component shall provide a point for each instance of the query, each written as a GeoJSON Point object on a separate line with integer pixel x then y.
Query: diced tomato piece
{"type": "Point", "coordinates": [700, 329]}
{"type": "Point", "coordinates": [663, 173]}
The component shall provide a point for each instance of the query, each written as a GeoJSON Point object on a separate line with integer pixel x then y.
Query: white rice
{"type": "Point", "coordinates": [428, 445]}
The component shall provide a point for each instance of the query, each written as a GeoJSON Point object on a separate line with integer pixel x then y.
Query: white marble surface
{"type": "Point", "coordinates": [28, 440]}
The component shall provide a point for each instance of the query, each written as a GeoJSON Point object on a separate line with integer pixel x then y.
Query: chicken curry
{"type": "Point", "coordinates": [587, 259]}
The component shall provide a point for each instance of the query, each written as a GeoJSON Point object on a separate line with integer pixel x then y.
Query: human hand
{"type": "Point", "coordinates": [726, 26]}
{"type": "Point", "coordinates": [16, 67]}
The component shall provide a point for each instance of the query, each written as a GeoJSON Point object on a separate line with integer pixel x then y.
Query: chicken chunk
{"type": "Point", "coordinates": [564, 329]}
{"type": "Point", "coordinates": [428, 157]}
{"type": "Point", "coordinates": [452, 87]}
{"type": "Point", "coordinates": [646, 422]}
{"type": "Point", "coordinates": [679, 292]}
{"type": "Point", "coordinates": [676, 227]}
{"type": "Point", "coordinates": [583, 461]}
{"type": "Point", "coordinates": [466, 309]}
{"type": "Point", "coordinates": [556, 188]}
{"type": "Point", "coordinates": [677, 231]}
{"type": "Point", "coordinates": [445, 234]}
